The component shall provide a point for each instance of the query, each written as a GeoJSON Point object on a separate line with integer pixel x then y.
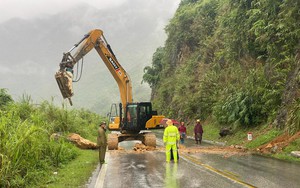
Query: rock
{"type": "Point", "coordinates": [56, 136]}
{"type": "Point", "coordinates": [225, 131]}
{"type": "Point", "coordinates": [269, 146]}
{"type": "Point", "coordinates": [241, 147]}
{"type": "Point", "coordinates": [295, 154]}
{"type": "Point", "coordinates": [142, 147]}
{"type": "Point", "coordinates": [81, 142]}
{"type": "Point", "coordinates": [274, 149]}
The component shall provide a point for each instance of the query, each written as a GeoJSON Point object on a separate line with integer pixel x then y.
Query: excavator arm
{"type": "Point", "coordinates": [93, 40]}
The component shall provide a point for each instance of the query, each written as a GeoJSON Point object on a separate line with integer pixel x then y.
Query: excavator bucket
{"type": "Point", "coordinates": [64, 81]}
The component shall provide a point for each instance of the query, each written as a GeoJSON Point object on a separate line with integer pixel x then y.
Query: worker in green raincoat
{"type": "Point", "coordinates": [171, 137]}
{"type": "Point", "coordinates": [102, 142]}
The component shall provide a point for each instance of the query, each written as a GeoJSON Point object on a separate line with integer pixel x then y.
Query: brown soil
{"type": "Point", "coordinates": [221, 150]}
{"type": "Point", "coordinates": [277, 144]}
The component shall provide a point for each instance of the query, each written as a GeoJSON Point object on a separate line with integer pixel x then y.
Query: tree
{"type": "Point", "coordinates": [151, 74]}
{"type": "Point", "coordinates": [5, 98]}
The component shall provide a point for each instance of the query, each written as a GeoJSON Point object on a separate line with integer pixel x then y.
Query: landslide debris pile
{"type": "Point", "coordinates": [278, 144]}
{"type": "Point", "coordinates": [224, 151]}
{"type": "Point", "coordinates": [141, 147]}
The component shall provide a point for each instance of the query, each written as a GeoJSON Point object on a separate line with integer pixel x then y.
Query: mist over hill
{"type": "Point", "coordinates": [31, 50]}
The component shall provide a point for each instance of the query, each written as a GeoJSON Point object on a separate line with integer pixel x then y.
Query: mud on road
{"type": "Point", "coordinates": [221, 150]}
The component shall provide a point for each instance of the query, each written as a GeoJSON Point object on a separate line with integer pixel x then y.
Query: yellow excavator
{"type": "Point", "coordinates": [133, 117]}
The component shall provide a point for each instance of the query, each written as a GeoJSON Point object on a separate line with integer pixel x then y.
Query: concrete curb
{"type": "Point", "coordinates": [100, 179]}
{"type": "Point", "coordinates": [97, 179]}
{"type": "Point", "coordinates": [92, 180]}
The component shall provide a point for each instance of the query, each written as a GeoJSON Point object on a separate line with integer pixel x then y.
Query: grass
{"type": "Point", "coordinates": [261, 135]}
{"type": "Point", "coordinates": [262, 139]}
{"type": "Point", "coordinates": [28, 156]}
{"type": "Point", "coordinates": [211, 131]}
{"type": "Point", "coordinates": [75, 173]}
{"type": "Point", "coordinates": [286, 153]}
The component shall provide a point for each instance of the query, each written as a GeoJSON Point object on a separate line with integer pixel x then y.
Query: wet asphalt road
{"type": "Point", "coordinates": [149, 169]}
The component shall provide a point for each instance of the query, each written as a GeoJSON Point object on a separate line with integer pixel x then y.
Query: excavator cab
{"type": "Point", "coordinates": [137, 114]}
{"type": "Point", "coordinates": [137, 117]}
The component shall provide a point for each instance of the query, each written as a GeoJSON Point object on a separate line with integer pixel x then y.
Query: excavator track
{"type": "Point", "coordinates": [149, 140]}
{"type": "Point", "coordinates": [112, 141]}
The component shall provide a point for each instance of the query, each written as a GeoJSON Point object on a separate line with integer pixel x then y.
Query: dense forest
{"type": "Point", "coordinates": [235, 62]}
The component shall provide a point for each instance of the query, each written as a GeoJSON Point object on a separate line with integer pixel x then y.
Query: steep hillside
{"type": "Point", "coordinates": [234, 61]}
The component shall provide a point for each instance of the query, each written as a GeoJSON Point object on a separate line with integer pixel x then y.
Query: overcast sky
{"type": "Point", "coordinates": [30, 8]}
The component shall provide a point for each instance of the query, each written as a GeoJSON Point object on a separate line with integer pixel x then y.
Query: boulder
{"type": "Point", "coordinates": [225, 131]}
{"type": "Point", "coordinates": [295, 154]}
{"type": "Point", "coordinates": [81, 142]}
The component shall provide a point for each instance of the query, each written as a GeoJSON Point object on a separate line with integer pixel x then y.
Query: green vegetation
{"type": "Point", "coordinates": [5, 98]}
{"type": "Point", "coordinates": [285, 155]}
{"type": "Point", "coordinates": [74, 173]}
{"type": "Point", "coordinates": [28, 156]}
{"type": "Point", "coordinates": [261, 135]}
{"type": "Point", "coordinates": [263, 138]}
{"type": "Point", "coordinates": [234, 62]}
{"type": "Point", "coordinates": [231, 63]}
